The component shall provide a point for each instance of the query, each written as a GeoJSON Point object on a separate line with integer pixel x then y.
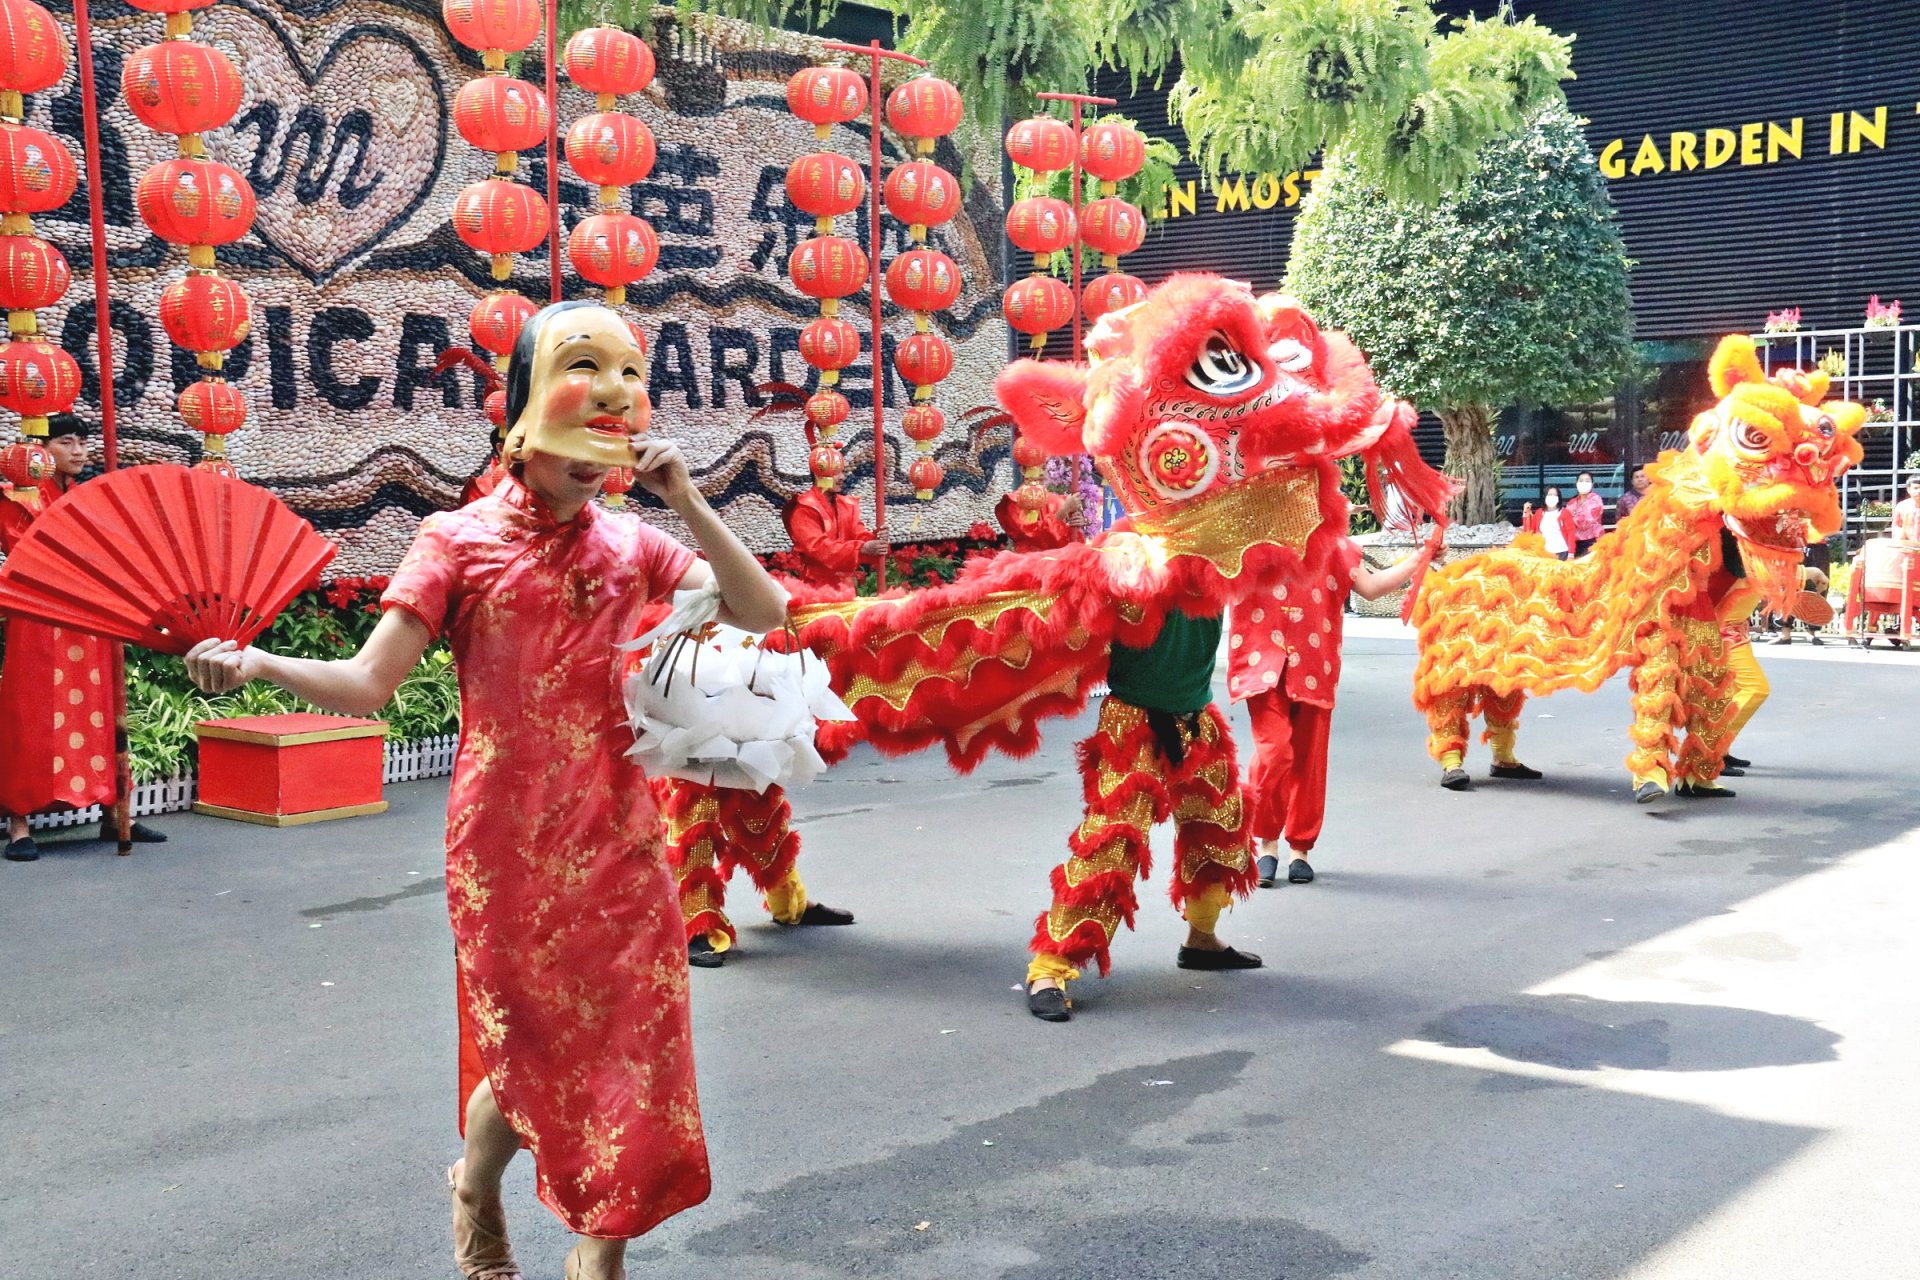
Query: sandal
{"type": "Point", "coordinates": [480, 1250]}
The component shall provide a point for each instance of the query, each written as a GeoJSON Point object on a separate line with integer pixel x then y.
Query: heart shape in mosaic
{"type": "Point", "coordinates": [374, 89]}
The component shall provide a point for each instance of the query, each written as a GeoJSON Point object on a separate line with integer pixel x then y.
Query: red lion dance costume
{"type": "Point", "coordinates": [1217, 418]}
{"type": "Point", "coordinates": [711, 832]}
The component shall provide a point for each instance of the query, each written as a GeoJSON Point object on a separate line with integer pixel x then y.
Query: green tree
{"type": "Point", "coordinates": [1512, 288]}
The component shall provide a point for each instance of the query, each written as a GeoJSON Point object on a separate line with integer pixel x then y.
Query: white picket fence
{"type": "Point", "coordinates": [405, 762]}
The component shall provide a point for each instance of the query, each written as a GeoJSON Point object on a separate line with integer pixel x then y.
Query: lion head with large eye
{"type": "Point", "coordinates": [1200, 387]}
{"type": "Point", "coordinates": [1765, 460]}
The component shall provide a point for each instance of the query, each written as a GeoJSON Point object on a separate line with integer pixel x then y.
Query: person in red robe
{"type": "Point", "coordinates": [711, 831]}
{"type": "Point", "coordinates": [572, 980]}
{"type": "Point", "coordinates": [56, 707]}
{"type": "Point", "coordinates": [1053, 526]}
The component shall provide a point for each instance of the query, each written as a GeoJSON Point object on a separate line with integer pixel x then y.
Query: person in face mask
{"type": "Point", "coordinates": [1552, 523]}
{"type": "Point", "coordinates": [1588, 511]}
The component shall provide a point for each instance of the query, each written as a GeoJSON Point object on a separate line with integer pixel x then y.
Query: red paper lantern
{"type": "Point", "coordinates": [495, 321]}
{"type": "Point", "coordinates": [217, 464]}
{"type": "Point", "coordinates": [36, 171]}
{"type": "Point", "coordinates": [827, 409]}
{"type": "Point", "coordinates": [33, 274]}
{"type": "Point", "coordinates": [925, 475]}
{"type": "Point", "coordinates": [180, 87]}
{"type": "Point", "coordinates": [1027, 455]}
{"type": "Point", "coordinates": [826, 96]}
{"type": "Point", "coordinates": [923, 280]}
{"type": "Point", "coordinates": [33, 54]}
{"type": "Point", "coordinates": [828, 267]}
{"type": "Point", "coordinates": [492, 24]}
{"type": "Point", "coordinates": [608, 60]}
{"type": "Point", "coordinates": [613, 250]}
{"type": "Point", "coordinates": [195, 202]}
{"type": "Point", "coordinates": [610, 149]}
{"type": "Point", "coordinates": [1040, 225]}
{"type": "Point", "coordinates": [206, 314]}
{"type": "Point", "coordinates": [1111, 292]}
{"type": "Point", "coordinates": [496, 408]}
{"type": "Point", "coordinates": [25, 464]}
{"type": "Point", "coordinates": [1112, 226]}
{"type": "Point", "coordinates": [1038, 304]}
{"type": "Point", "coordinates": [618, 483]}
{"type": "Point", "coordinates": [213, 407]}
{"type": "Point", "coordinates": [924, 359]}
{"type": "Point", "coordinates": [825, 185]}
{"type": "Point", "coordinates": [499, 113]}
{"type": "Point", "coordinates": [922, 194]}
{"type": "Point", "coordinates": [923, 423]}
{"type": "Point", "coordinates": [827, 464]}
{"type": "Point", "coordinates": [925, 107]}
{"type": "Point", "coordinates": [830, 344]}
{"type": "Point", "coordinates": [1112, 152]}
{"type": "Point", "coordinates": [500, 218]}
{"type": "Point", "coordinates": [169, 6]}
{"type": "Point", "coordinates": [1041, 143]}
{"type": "Point", "coordinates": [1031, 498]}
{"type": "Point", "coordinates": [37, 380]}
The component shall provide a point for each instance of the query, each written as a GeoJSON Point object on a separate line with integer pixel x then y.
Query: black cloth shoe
{"type": "Point", "coordinates": [1784, 637]}
{"type": "Point", "coordinates": [1299, 871]}
{"type": "Point", "coordinates": [1736, 762]}
{"type": "Point", "coordinates": [1732, 771]}
{"type": "Point", "coordinates": [1050, 1004]}
{"type": "Point", "coordinates": [1455, 779]}
{"type": "Point", "coordinates": [1815, 639]}
{"type": "Point", "coordinates": [701, 955]}
{"type": "Point", "coordinates": [1694, 792]}
{"type": "Point", "coordinates": [1514, 770]}
{"type": "Point", "coordinates": [23, 850]}
{"type": "Point", "coordinates": [138, 833]}
{"type": "Point", "coordinates": [1648, 792]}
{"type": "Point", "coordinates": [818, 913]}
{"type": "Point", "coordinates": [1269, 869]}
{"type": "Point", "coordinates": [1225, 958]}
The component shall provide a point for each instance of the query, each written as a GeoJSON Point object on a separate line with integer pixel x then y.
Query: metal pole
{"type": "Point", "coordinates": [121, 811]}
{"type": "Point", "coordinates": [553, 151]}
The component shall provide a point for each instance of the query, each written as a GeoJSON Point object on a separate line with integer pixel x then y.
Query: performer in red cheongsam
{"type": "Point", "coordinates": [713, 831]}
{"type": "Point", "coordinates": [56, 707]}
{"type": "Point", "coordinates": [574, 1029]}
{"type": "Point", "coordinates": [1052, 526]}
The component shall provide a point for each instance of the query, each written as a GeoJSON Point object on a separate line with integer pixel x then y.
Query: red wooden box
{"type": "Point", "coordinates": [281, 771]}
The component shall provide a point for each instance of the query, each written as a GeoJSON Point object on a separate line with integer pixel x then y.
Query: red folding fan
{"type": "Point", "coordinates": [163, 557]}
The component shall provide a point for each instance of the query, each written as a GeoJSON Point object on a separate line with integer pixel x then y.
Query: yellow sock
{"type": "Point", "coordinates": [719, 941]}
{"type": "Point", "coordinates": [787, 901]}
{"type": "Point", "coordinates": [1451, 759]}
{"type": "Point", "coordinates": [1055, 967]}
{"type": "Point", "coordinates": [1203, 909]}
{"type": "Point", "coordinates": [1656, 776]}
{"type": "Point", "coordinates": [1500, 738]}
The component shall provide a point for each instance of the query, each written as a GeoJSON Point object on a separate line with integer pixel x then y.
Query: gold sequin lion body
{"type": "Point", "coordinates": [1755, 479]}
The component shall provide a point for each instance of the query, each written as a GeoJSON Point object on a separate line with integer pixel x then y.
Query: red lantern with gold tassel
{"type": "Point", "coordinates": [824, 185]}
{"type": "Point", "coordinates": [24, 465]}
{"type": "Point", "coordinates": [613, 250]}
{"type": "Point", "coordinates": [36, 174]}
{"type": "Point", "coordinates": [922, 194]}
{"type": "Point", "coordinates": [495, 322]}
{"type": "Point", "coordinates": [33, 274]}
{"type": "Point", "coordinates": [1111, 292]}
{"type": "Point", "coordinates": [924, 359]}
{"type": "Point", "coordinates": [1042, 144]}
{"type": "Point", "coordinates": [925, 475]}
{"type": "Point", "coordinates": [502, 115]}
{"type": "Point", "coordinates": [925, 108]}
{"type": "Point", "coordinates": [617, 485]}
{"type": "Point", "coordinates": [1112, 227]}
{"type": "Point", "coordinates": [1038, 305]}
{"type": "Point", "coordinates": [826, 96]}
{"type": "Point", "coordinates": [181, 88]}
{"type": "Point", "coordinates": [829, 344]}
{"type": "Point", "coordinates": [33, 53]}
{"type": "Point", "coordinates": [500, 218]}
{"type": "Point", "coordinates": [494, 27]}
{"type": "Point", "coordinates": [216, 409]}
{"type": "Point", "coordinates": [922, 281]}
{"type": "Point", "coordinates": [207, 314]}
{"type": "Point", "coordinates": [196, 203]}
{"type": "Point", "coordinates": [611, 149]}
{"type": "Point", "coordinates": [607, 60]}
{"type": "Point", "coordinates": [37, 380]}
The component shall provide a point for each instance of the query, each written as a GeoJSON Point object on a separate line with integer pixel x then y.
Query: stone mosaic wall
{"type": "Point", "coordinates": [358, 282]}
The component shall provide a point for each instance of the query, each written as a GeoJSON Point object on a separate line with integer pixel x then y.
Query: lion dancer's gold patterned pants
{"type": "Point", "coordinates": [713, 831]}
{"type": "Point", "coordinates": [1131, 786]}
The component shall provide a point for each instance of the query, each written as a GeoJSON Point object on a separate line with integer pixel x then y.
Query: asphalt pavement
{"type": "Point", "coordinates": [1527, 1031]}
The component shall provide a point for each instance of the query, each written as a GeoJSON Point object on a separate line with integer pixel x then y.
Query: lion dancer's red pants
{"type": "Point", "coordinates": [1288, 781]}
{"type": "Point", "coordinates": [713, 831]}
{"type": "Point", "coordinates": [1131, 786]}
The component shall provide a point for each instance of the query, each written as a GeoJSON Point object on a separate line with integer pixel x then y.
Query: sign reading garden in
{"type": "Point", "coordinates": [358, 281]}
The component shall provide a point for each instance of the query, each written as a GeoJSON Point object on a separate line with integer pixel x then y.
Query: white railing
{"type": "Point", "coordinates": [405, 762]}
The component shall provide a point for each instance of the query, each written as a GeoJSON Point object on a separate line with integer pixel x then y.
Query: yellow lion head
{"type": "Point", "coordinates": [1765, 459]}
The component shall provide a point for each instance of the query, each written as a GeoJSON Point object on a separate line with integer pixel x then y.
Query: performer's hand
{"type": "Point", "coordinates": [872, 549]}
{"type": "Point", "coordinates": [221, 666]}
{"type": "Point", "coordinates": [661, 469]}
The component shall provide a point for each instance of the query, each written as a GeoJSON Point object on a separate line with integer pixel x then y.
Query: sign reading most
{"type": "Point", "coordinates": [358, 282]}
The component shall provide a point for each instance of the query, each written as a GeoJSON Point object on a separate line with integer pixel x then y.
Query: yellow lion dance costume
{"type": "Point", "coordinates": [1756, 477]}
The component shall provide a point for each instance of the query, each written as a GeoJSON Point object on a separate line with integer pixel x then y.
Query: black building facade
{"type": "Point", "coordinates": [1762, 155]}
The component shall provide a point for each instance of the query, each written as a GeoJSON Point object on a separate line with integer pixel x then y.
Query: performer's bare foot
{"type": "Point", "coordinates": [480, 1247]}
{"type": "Point", "coordinates": [597, 1260]}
